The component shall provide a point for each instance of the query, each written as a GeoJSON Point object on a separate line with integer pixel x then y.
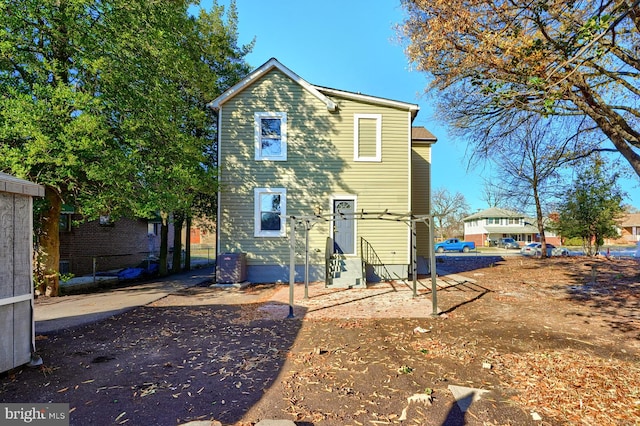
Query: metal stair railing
{"type": "Point", "coordinates": [371, 258]}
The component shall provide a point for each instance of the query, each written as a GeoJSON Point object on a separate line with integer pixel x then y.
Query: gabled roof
{"type": "Point", "coordinates": [322, 93]}
{"type": "Point", "coordinates": [262, 70]}
{"type": "Point", "coordinates": [493, 212]}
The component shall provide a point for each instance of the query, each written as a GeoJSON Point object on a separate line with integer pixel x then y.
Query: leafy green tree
{"type": "Point", "coordinates": [52, 127]}
{"type": "Point", "coordinates": [104, 103]}
{"type": "Point", "coordinates": [490, 61]}
{"type": "Point", "coordinates": [214, 51]}
{"type": "Point", "coordinates": [592, 207]}
{"type": "Point", "coordinates": [164, 127]}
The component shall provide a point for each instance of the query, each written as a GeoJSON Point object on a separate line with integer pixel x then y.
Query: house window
{"type": "Point", "coordinates": [514, 221]}
{"type": "Point", "coordinates": [64, 224]}
{"type": "Point", "coordinates": [153, 228]}
{"type": "Point", "coordinates": [271, 136]}
{"type": "Point", "coordinates": [493, 221]}
{"type": "Point", "coordinates": [367, 137]}
{"type": "Point", "coordinates": [270, 212]}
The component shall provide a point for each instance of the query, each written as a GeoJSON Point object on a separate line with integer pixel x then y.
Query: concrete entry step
{"type": "Point", "coordinates": [346, 272]}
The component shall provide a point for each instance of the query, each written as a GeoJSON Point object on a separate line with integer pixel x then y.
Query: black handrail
{"type": "Point", "coordinates": [370, 257]}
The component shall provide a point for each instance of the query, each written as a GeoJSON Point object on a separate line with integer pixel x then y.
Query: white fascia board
{"type": "Point", "coordinates": [372, 99]}
{"type": "Point", "coordinates": [219, 194]}
{"type": "Point", "coordinates": [262, 70]}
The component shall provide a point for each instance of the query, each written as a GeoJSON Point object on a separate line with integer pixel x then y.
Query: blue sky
{"type": "Point", "coordinates": [353, 45]}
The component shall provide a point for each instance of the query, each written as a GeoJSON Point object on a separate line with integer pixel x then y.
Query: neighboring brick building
{"type": "Point", "coordinates": [120, 244]}
{"type": "Point", "coordinates": [112, 245]}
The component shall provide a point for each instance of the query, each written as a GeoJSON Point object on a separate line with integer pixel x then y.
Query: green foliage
{"type": "Point", "coordinates": [104, 102]}
{"type": "Point", "coordinates": [405, 369]}
{"type": "Point", "coordinates": [66, 277]}
{"type": "Point", "coordinates": [592, 207]}
{"type": "Point", "coordinates": [573, 242]}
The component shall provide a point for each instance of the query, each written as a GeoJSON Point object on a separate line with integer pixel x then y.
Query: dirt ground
{"type": "Point", "coordinates": [546, 341]}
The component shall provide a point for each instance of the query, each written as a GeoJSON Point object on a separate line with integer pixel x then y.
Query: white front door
{"type": "Point", "coordinates": [344, 226]}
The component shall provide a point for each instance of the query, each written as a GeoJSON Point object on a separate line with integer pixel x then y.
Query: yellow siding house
{"type": "Point", "coordinates": [289, 148]}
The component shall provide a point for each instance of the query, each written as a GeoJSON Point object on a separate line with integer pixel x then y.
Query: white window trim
{"type": "Point", "coordinates": [258, 116]}
{"type": "Point", "coordinates": [356, 141]}
{"type": "Point", "coordinates": [258, 232]}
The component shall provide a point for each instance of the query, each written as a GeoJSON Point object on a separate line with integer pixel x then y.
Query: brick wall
{"type": "Point", "coordinates": [124, 243]}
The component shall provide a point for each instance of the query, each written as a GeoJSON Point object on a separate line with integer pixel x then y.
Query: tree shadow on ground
{"type": "Point", "coordinates": [612, 286]}
{"type": "Point", "coordinates": [447, 264]}
{"type": "Point", "coordinates": [158, 365]}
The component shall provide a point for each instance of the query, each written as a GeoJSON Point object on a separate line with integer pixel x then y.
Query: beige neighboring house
{"type": "Point", "coordinates": [488, 226]}
{"type": "Point", "coordinates": [290, 148]}
{"type": "Point", "coordinates": [630, 228]}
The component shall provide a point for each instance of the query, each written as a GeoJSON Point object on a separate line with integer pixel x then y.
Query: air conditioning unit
{"type": "Point", "coordinates": [231, 268]}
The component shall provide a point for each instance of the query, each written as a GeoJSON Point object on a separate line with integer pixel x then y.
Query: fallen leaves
{"type": "Point", "coordinates": [574, 386]}
{"type": "Point", "coordinates": [549, 353]}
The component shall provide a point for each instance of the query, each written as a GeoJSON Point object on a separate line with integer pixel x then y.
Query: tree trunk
{"type": "Point", "coordinates": [50, 242]}
{"type": "Point", "coordinates": [187, 246]}
{"type": "Point", "coordinates": [540, 218]}
{"type": "Point", "coordinates": [164, 244]}
{"type": "Point", "coordinates": [176, 263]}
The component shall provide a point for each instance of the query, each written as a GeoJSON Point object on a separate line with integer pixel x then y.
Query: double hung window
{"type": "Point", "coordinates": [270, 212]}
{"type": "Point", "coordinates": [271, 136]}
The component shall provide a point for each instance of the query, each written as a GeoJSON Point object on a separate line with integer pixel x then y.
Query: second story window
{"type": "Point", "coordinates": [367, 137]}
{"type": "Point", "coordinates": [271, 136]}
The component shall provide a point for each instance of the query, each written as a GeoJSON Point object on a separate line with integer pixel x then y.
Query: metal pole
{"type": "Point", "coordinates": [432, 255]}
{"type": "Point", "coordinates": [292, 262]}
{"type": "Point", "coordinates": [414, 258]}
{"type": "Point", "coordinates": [306, 261]}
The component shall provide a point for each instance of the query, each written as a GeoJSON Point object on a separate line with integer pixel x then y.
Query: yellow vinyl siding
{"type": "Point", "coordinates": [379, 186]}
{"type": "Point", "coordinates": [421, 166]}
{"type": "Point", "coordinates": [320, 165]}
{"type": "Point", "coordinates": [304, 175]}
